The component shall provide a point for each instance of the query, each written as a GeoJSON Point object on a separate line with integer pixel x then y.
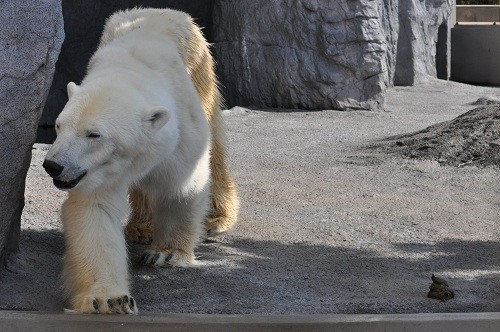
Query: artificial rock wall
{"type": "Point", "coordinates": [305, 54]}
{"type": "Point", "coordinates": [322, 54]}
{"type": "Point", "coordinates": [31, 35]}
{"type": "Point", "coordinates": [423, 46]}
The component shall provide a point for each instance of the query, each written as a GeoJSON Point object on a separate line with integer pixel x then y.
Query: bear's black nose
{"type": "Point", "coordinates": [53, 168]}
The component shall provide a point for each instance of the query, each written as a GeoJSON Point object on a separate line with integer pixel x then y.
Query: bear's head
{"type": "Point", "coordinates": [108, 134]}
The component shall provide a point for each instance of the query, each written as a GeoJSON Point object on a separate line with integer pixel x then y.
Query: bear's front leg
{"type": "Point", "coordinates": [95, 265]}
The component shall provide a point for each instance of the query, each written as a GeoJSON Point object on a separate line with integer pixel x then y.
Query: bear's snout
{"type": "Point", "coordinates": [52, 168]}
{"type": "Point", "coordinates": [67, 181]}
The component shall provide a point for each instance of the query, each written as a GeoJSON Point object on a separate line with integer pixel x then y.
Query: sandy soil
{"type": "Point", "coordinates": [326, 225]}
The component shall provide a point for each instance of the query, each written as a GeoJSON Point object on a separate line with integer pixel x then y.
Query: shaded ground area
{"type": "Point", "coordinates": [326, 225]}
{"type": "Point", "coordinates": [472, 138]}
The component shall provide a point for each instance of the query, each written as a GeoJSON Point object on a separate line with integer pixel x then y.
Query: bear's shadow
{"type": "Point", "coordinates": [245, 276]}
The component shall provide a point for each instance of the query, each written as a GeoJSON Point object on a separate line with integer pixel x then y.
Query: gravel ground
{"type": "Point", "coordinates": [326, 225]}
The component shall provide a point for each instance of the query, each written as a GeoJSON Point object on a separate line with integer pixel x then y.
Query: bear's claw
{"type": "Point", "coordinates": [117, 305]}
{"type": "Point", "coordinates": [167, 257]}
{"type": "Point", "coordinates": [155, 258]}
{"type": "Point", "coordinates": [120, 305]}
{"type": "Point", "coordinates": [95, 304]}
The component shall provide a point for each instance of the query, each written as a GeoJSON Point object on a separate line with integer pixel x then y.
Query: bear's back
{"type": "Point", "coordinates": [170, 23]}
{"type": "Point", "coordinates": [184, 35]}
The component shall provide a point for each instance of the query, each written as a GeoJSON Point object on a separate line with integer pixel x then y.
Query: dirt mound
{"type": "Point", "coordinates": [489, 100]}
{"type": "Point", "coordinates": [472, 138]}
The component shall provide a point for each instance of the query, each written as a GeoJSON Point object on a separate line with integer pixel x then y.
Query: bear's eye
{"type": "Point", "coordinates": [93, 135]}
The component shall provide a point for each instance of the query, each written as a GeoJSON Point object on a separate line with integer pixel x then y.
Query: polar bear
{"type": "Point", "coordinates": [144, 129]}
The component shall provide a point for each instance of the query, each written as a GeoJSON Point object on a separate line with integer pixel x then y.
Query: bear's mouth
{"type": "Point", "coordinates": [61, 184]}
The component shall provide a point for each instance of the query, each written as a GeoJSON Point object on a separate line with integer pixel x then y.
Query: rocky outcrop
{"type": "Point", "coordinates": [318, 54]}
{"type": "Point", "coordinates": [31, 35]}
{"type": "Point", "coordinates": [307, 54]}
{"type": "Point", "coordinates": [423, 47]}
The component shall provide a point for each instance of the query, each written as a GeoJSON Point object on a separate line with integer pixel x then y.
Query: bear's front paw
{"type": "Point", "coordinates": [91, 304]}
{"type": "Point", "coordinates": [168, 257]}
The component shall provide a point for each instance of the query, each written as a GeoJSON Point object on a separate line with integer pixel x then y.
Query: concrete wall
{"type": "Point", "coordinates": [475, 54]}
{"type": "Point", "coordinates": [478, 13]}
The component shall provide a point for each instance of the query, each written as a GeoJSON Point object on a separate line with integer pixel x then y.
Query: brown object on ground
{"type": "Point", "coordinates": [439, 289]}
{"type": "Point", "coordinates": [472, 138]}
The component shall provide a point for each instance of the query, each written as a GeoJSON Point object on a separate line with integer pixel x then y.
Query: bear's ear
{"type": "Point", "coordinates": [71, 87]}
{"type": "Point", "coordinates": [156, 117]}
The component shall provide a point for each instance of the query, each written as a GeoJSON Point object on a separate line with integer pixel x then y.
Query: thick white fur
{"type": "Point", "coordinates": [154, 134]}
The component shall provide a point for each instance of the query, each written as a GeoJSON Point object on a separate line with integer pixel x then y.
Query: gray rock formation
{"type": "Point", "coordinates": [423, 47]}
{"type": "Point", "coordinates": [307, 54]}
{"type": "Point", "coordinates": [320, 54]}
{"type": "Point", "coordinates": [390, 28]}
{"type": "Point", "coordinates": [31, 35]}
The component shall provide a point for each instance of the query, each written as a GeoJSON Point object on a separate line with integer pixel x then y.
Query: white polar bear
{"type": "Point", "coordinates": [145, 120]}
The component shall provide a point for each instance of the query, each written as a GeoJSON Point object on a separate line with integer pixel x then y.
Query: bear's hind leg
{"type": "Point", "coordinates": [140, 225]}
{"type": "Point", "coordinates": [178, 225]}
{"type": "Point", "coordinates": [225, 203]}
{"type": "Point", "coordinates": [224, 212]}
